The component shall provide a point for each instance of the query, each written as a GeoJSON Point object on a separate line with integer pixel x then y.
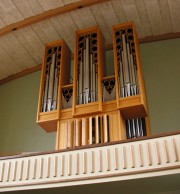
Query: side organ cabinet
{"type": "Point", "coordinates": [55, 74]}
{"type": "Point", "coordinates": [130, 89]}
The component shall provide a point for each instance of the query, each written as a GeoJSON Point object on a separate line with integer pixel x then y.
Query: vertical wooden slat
{"type": "Point", "coordinates": [78, 135]}
{"type": "Point", "coordinates": [100, 160]}
{"type": "Point", "coordinates": [2, 172]}
{"type": "Point", "coordinates": [48, 167]}
{"type": "Point", "coordinates": [101, 129]}
{"type": "Point", "coordinates": [15, 170]}
{"type": "Point", "coordinates": [111, 128]}
{"type": "Point", "coordinates": [105, 128]}
{"type": "Point", "coordinates": [97, 129]}
{"type": "Point", "coordinates": [70, 134]}
{"type": "Point", "coordinates": [166, 151]}
{"type": "Point", "coordinates": [62, 165]}
{"type": "Point", "coordinates": [64, 135]}
{"type": "Point", "coordinates": [85, 129]}
{"type": "Point", "coordinates": [41, 168]}
{"type": "Point", "coordinates": [173, 141]}
{"type": "Point", "coordinates": [124, 160]}
{"type": "Point", "coordinates": [35, 169]}
{"type": "Point", "coordinates": [55, 166]}
{"type": "Point", "coordinates": [140, 155]}
{"type": "Point", "coordinates": [116, 159]}
{"type": "Point", "coordinates": [77, 164]}
{"type": "Point", "coordinates": [58, 136]}
{"type": "Point", "coordinates": [108, 160]}
{"type": "Point", "coordinates": [21, 170]}
{"type": "Point", "coordinates": [148, 149]}
{"type": "Point", "coordinates": [90, 130]}
{"type": "Point", "coordinates": [84, 162]}
{"type": "Point", "coordinates": [9, 171]}
{"type": "Point", "coordinates": [92, 162]}
{"type": "Point", "coordinates": [69, 171]}
{"type": "Point", "coordinates": [132, 159]}
{"type": "Point", "coordinates": [157, 153]}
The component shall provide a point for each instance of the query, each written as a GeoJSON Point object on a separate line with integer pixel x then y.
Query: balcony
{"type": "Point", "coordinates": [144, 157]}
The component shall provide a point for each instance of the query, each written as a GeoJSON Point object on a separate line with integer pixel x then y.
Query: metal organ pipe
{"type": "Point", "coordinates": [87, 74]}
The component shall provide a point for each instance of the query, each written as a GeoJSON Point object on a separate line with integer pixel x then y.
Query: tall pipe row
{"type": "Point", "coordinates": [51, 79]}
{"type": "Point", "coordinates": [87, 87]}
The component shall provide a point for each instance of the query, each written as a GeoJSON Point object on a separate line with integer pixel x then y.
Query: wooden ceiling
{"type": "Point", "coordinates": [25, 26]}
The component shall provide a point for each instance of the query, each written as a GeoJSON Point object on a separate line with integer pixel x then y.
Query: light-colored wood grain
{"type": "Point", "coordinates": [31, 42]}
{"type": "Point", "coordinates": [85, 131]}
{"type": "Point", "coordinates": [154, 15]}
{"type": "Point", "coordinates": [132, 15]}
{"type": "Point", "coordinates": [143, 16]}
{"type": "Point", "coordinates": [174, 7]}
{"type": "Point", "coordinates": [28, 8]}
{"type": "Point", "coordinates": [9, 13]}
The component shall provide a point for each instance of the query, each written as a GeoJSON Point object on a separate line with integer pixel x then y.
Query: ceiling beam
{"type": "Point", "coordinates": [48, 14]}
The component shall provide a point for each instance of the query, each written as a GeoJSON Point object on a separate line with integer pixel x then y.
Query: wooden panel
{"type": "Point", "coordinates": [110, 19]}
{"type": "Point", "coordinates": [174, 7]}
{"type": "Point", "coordinates": [86, 17]}
{"type": "Point", "coordinates": [28, 8]}
{"type": "Point", "coordinates": [143, 16]}
{"type": "Point", "coordinates": [132, 15]}
{"type": "Point", "coordinates": [85, 131]}
{"type": "Point", "coordinates": [63, 135]}
{"type": "Point", "coordinates": [31, 43]}
{"type": "Point", "coordinates": [45, 31]}
{"type": "Point", "coordinates": [61, 31]}
{"type": "Point", "coordinates": [9, 13]}
{"type": "Point", "coordinates": [101, 23]}
{"type": "Point", "coordinates": [17, 52]}
{"type": "Point", "coordinates": [165, 15]}
{"type": "Point", "coordinates": [47, 5]}
{"type": "Point", "coordinates": [154, 15]}
{"type": "Point", "coordinates": [119, 11]}
{"type": "Point", "coordinates": [2, 24]}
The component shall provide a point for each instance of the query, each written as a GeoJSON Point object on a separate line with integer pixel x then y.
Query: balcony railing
{"type": "Point", "coordinates": [143, 156]}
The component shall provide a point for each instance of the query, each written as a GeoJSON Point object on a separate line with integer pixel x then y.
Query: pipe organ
{"type": "Point", "coordinates": [95, 108]}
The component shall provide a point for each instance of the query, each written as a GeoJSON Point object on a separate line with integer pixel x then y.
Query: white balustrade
{"type": "Point", "coordinates": [84, 164]}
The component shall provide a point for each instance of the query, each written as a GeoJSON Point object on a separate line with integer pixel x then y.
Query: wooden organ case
{"type": "Point", "coordinates": [95, 108]}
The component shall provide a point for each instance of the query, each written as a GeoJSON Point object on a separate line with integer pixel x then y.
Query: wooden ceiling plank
{"type": "Point", "coordinates": [141, 10]}
{"type": "Point", "coordinates": [99, 18]}
{"type": "Point", "coordinates": [47, 5]}
{"type": "Point", "coordinates": [87, 17]}
{"type": "Point", "coordinates": [30, 41]}
{"type": "Point", "coordinates": [17, 51]}
{"type": "Point", "coordinates": [132, 15]}
{"type": "Point", "coordinates": [2, 24]}
{"type": "Point", "coordinates": [154, 15]}
{"type": "Point", "coordinates": [61, 31]}
{"type": "Point", "coordinates": [68, 27]}
{"type": "Point", "coordinates": [77, 19]}
{"type": "Point", "coordinates": [45, 31]}
{"type": "Point", "coordinates": [174, 7]}
{"type": "Point", "coordinates": [49, 14]}
{"type": "Point", "coordinates": [9, 13]}
{"type": "Point", "coordinates": [6, 60]}
{"type": "Point", "coordinates": [165, 15]}
{"type": "Point", "coordinates": [119, 11]}
{"type": "Point", "coordinates": [110, 19]}
{"type": "Point", "coordinates": [28, 8]}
